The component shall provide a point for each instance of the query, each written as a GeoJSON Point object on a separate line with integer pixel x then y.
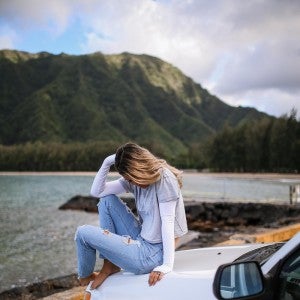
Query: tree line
{"type": "Point", "coordinates": [268, 145]}
{"type": "Point", "coordinates": [40, 156]}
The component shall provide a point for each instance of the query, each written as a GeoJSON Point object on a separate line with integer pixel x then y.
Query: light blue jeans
{"type": "Point", "coordinates": [117, 239]}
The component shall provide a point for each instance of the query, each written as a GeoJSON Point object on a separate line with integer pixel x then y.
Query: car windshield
{"type": "Point", "coordinates": [261, 255]}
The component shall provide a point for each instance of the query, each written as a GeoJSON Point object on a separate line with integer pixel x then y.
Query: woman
{"type": "Point", "coordinates": [140, 245]}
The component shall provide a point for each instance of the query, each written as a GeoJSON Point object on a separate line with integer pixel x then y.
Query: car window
{"type": "Point", "coordinates": [289, 278]}
{"type": "Point", "coordinates": [261, 254]}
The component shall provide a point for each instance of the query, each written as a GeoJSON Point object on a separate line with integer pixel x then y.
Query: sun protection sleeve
{"type": "Point", "coordinates": [167, 214]}
{"type": "Point", "coordinates": [100, 187]}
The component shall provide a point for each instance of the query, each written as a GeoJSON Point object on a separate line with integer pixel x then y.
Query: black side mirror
{"type": "Point", "coordinates": [238, 280]}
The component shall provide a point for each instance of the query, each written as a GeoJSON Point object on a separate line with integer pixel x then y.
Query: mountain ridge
{"type": "Point", "coordinates": [78, 98]}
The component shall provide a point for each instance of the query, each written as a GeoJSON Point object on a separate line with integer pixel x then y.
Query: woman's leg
{"type": "Point", "coordinates": [119, 250]}
{"type": "Point", "coordinates": [136, 256]}
{"type": "Point", "coordinates": [115, 217]}
{"type": "Point", "coordinates": [108, 269]}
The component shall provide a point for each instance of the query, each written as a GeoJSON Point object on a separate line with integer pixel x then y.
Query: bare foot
{"type": "Point", "coordinates": [86, 280]}
{"type": "Point", "coordinates": [102, 275]}
{"type": "Point", "coordinates": [86, 295]}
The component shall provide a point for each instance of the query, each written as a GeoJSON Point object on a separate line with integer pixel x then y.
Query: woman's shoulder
{"type": "Point", "coordinates": [166, 172]}
{"type": "Point", "coordinates": [167, 177]}
{"type": "Point", "coordinates": [167, 187]}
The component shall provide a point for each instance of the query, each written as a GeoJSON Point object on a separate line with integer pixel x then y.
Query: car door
{"type": "Point", "coordinates": [289, 278]}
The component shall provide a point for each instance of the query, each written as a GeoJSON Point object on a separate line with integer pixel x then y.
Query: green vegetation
{"type": "Point", "coordinates": [269, 145]}
{"type": "Point", "coordinates": [54, 156]}
{"type": "Point", "coordinates": [64, 112]}
{"type": "Point", "coordinates": [87, 156]}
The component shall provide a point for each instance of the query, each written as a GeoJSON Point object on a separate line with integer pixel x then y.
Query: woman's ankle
{"type": "Point", "coordinates": [109, 267]}
{"type": "Point", "coordinates": [86, 280]}
{"type": "Point", "coordinates": [110, 270]}
{"type": "Point", "coordinates": [103, 274]}
{"type": "Point", "coordinates": [99, 279]}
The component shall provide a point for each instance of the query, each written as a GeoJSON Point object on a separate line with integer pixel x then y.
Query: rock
{"type": "Point", "coordinates": [41, 289]}
{"type": "Point", "coordinates": [218, 213]}
{"type": "Point", "coordinates": [76, 293]}
{"type": "Point", "coordinates": [78, 202]}
{"type": "Point", "coordinates": [236, 214]}
{"type": "Point", "coordinates": [89, 203]}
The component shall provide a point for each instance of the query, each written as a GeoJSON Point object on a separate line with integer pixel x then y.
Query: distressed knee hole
{"type": "Point", "coordinates": [129, 241]}
{"type": "Point", "coordinates": [106, 231]}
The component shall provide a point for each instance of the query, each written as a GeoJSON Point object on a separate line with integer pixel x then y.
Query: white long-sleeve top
{"type": "Point", "coordinates": [160, 208]}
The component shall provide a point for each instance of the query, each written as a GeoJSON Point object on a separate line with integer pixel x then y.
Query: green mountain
{"type": "Point", "coordinates": [66, 98]}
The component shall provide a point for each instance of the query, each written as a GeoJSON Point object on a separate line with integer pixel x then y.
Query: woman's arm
{"type": "Point", "coordinates": [100, 187]}
{"type": "Point", "coordinates": [167, 214]}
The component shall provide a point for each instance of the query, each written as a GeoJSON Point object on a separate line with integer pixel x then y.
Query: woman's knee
{"type": "Point", "coordinates": [82, 231]}
{"type": "Point", "coordinates": [107, 201]}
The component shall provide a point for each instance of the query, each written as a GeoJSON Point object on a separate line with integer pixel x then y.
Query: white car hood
{"type": "Point", "coordinates": [192, 277]}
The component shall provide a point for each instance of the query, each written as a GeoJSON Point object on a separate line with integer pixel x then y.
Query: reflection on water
{"type": "Point", "coordinates": [36, 239]}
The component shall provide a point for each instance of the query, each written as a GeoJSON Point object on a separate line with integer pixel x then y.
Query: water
{"type": "Point", "coordinates": [221, 188]}
{"type": "Point", "coordinates": [37, 239]}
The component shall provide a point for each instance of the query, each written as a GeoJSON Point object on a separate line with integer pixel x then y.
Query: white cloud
{"type": "Point", "coordinates": [152, 28]}
{"type": "Point", "coordinates": [6, 42]}
{"type": "Point", "coordinates": [272, 101]}
{"type": "Point", "coordinates": [263, 66]}
{"type": "Point", "coordinates": [7, 38]}
{"type": "Point", "coordinates": [240, 50]}
{"type": "Point", "coordinates": [52, 16]}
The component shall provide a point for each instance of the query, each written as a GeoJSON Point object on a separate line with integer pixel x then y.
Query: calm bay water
{"type": "Point", "coordinates": [37, 239]}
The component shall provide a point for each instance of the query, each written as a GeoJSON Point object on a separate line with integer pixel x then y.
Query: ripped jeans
{"type": "Point", "coordinates": [117, 239]}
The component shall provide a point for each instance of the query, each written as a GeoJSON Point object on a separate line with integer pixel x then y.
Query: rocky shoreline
{"type": "Point", "coordinates": [41, 289]}
{"type": "Point", "coordinates": [206, 216]}
{"type": "Point", "coordinates": [215, 222]}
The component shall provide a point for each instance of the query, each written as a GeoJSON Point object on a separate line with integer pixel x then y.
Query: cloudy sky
{"type": "Point", "coordinates": [245, 52]}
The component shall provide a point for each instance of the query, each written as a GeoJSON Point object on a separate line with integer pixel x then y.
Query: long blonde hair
{"type": "Point", "coordinates": [139, 165]}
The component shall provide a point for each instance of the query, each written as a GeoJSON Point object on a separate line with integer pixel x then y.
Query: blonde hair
{"type": "Point", "coordinates": [139, 165]}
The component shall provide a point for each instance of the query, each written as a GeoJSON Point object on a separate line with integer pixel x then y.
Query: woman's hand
{"type": "Point", "coordinates": [154, 277]}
